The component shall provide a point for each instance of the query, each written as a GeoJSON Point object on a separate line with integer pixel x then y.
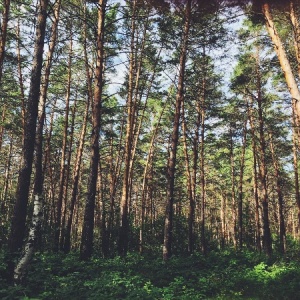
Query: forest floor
{"type": "Point", "coordinates": [219, 275]}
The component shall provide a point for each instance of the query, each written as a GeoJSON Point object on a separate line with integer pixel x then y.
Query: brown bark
{"type": "Point", "coordinates": [283, 59]}
{"type": "Point", "coordinates": [267, 242]}
{"type": "Point", "coordinates": [1, 126]}
{"type": "Point", "coordinates": [20, 212]}
{"type": "Point", "coordinates": [282, 232]}
{"type": "Point", "coordinates": [233, 194]}
{"type": "Point", "coordinates": [77, 166]}
{"type": "Point", "coordinates": [38, 190]}
{"type": "Point", "coordinates": [294, 17]}
{"type": "Point", "coordinates": [190, 190]}
{"type": "Point", "coordinates": [296, 173]}
{"type": "Point", "coordinates": [86, 246]}
{"type": "Point", "coordinates": [5, 18]}
{"type": "Point", "coordinates": [240, 199]}
{"type": "Point", "coordinates": [63, 160]}
{"type": "Point", "coordinates": [255, 178]}
{"type": "Point", "coordinates": [21, 82]}
{"type": "Point", "coordinates": [131, 109]}
{"type": "Point", "coordinates": [168, 228]}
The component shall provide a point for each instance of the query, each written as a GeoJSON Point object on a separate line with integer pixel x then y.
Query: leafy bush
{"type": "Point", "coordinates": [219, 275]}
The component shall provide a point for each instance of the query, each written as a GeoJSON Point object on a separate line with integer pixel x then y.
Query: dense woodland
{"type": "Point", "coordinates": [148, 128]}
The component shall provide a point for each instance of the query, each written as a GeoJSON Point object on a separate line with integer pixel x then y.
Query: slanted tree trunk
{"type": "Point", "coordinates": [86, 246]}
{"type": "Point", "coordinates": [283, 59]}
{"type": "Point", "coordinates": [3, 36]}
{"type": "Point", "coordinates": [20, 211]}
{"type": "Point", "coordinates": [77, 166]}
{"type": "Point", "coordinates": [63, 160]}
{"type": "Point", "coordinates": [168, 228]}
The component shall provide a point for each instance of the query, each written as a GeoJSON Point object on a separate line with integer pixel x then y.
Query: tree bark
{"type": "Point", "coordinates": [5, 18]}
{"type": "Point", "coordinates": [38, 190]}
{"type": "Point", "coordinates": [255, 177]}
{"type": "Point", "coordinates": [63, 160]}
{"type": "Point", "coordinates": [284, 61]}
{"type": "Point", "coordinates": [240, 199]}
{"type": "Point", "coordinates": [267, 241]}
{"type": "Point", "coordinates": [168, 228]}
{"type": "Point", "coordinates": [20, 211]}
{"type": "Point", "coordinates": [282, 232]}
{"type": "Point", "coordinates": [86, 246]}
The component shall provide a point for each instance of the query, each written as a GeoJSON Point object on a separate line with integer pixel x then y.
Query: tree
{"type": "Point", "coordinates": [20, 211]}
{"type": "Point", "coordinates": [171, 167]}
{"type": "Point", "coordinates": [86, 246]}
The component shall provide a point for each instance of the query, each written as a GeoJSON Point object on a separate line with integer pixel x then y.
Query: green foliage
{"type": "Point", "coordinates": [219, 275]}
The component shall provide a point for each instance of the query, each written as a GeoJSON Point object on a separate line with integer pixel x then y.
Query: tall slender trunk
{"type": "Point", "coordinates": [77, 166]}
{"type": "Point", "coordinates": [295, 164]}
{"type": "Point", "coordinates": [3, 116]}
{"type": "Point", "coordinates": [20, 212]}
{"type": "Point", "coordinates": [38, 190]}
{"type": "Point", "coordinates": [168, 228]}
{"type": "Point", "coordinates": [233, 194]}
{"type": "Point", "coordinates": [146, 177]}
{"type": "Point", "coordinates": [190, 190]}
{"type": "Point", "coordinates": [282, 233]}
{"type": "Point", "coordinates": [3, 36]}
{"type": "Point", "coordinates": [76, 176]}
{"type": "Point", "coordinates": [68, 167]}
{"type": "Point", "coordinates": [240, 199]}
{"type": "Point", "coordinates": [63, 160]}
{"type": "Point", "coordinates": [87, 236]}
{"type": "Point", "coordinates": [20, 75]}
{"type": "Point", "coordinates": [131, 109]}
{"type": "Point", "coordinates": [267, 241]}
{"type": "Point", "coordinates": [255, 177]}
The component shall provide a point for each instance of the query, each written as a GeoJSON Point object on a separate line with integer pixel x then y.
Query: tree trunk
{"type": "Point", "coordinates": [38, 190]}
{"type": "Point", "coordinates": [191, 242]}
{"type": "Point", "coordinates": [240, 200]}
{"type": "Point", "coordinates": [282, 232]}
{"type": "Point", "coordinates": [294, 17]}
{"type": "Point", "coordinates": [131, 109]}
{"type": "Point", "coordinates": [283, 59]}
{"type": "Point", "coordinates": [168, 228]}
{"type": "Point", "coordinates": [86, 246]}
{"type": "Point", "coordinates": [21, 81]}
{"type": "Point", "coordinates": [5, 18]}
{"type": "Point", "coordinates": [267, 241]}
{"type": "Point", "coordinates": [20, 212]}
{"type": "Point", "coordinates": [63, 161]}
{"type": "Point", "coordinates": [255, 177]}
{"type": "Point", "coordinates": [233, 195]}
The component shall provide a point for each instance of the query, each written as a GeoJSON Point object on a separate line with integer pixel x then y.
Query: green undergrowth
{"type": "Point", "coordinates": [219, 275]}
